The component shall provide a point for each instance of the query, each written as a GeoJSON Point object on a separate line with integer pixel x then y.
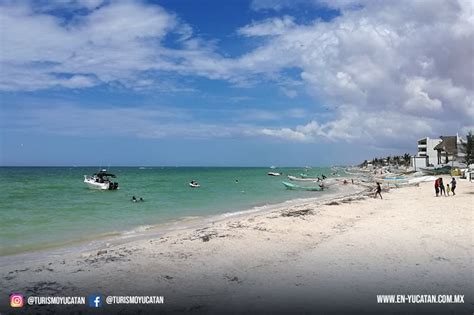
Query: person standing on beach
{"type": "Point", "coordinates": [437, 186]}
{"type": "Point", "coordinates": [453, 186]}
{"type": "Point", "coordinates": [442, 191]}
{"type": "Point", "coordinates": [378, 191]}
{"type": "Point", "coordinates": [448, 190]}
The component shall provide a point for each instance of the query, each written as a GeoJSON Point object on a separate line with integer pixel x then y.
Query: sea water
{"type": "Point", "coordinates": [42, 207]}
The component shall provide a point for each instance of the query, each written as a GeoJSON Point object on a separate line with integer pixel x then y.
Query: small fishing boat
{"type": "Point", "coordinates": [194, 184]}
{"type": "Point", "coordinates": [292, 186]}
{"type": "Point", "coordinates": [308, 179]}
{"type": "Point", "coordinates": [101, 180]}
{"type": "Point", "coordinates": [436, 171]}
{"type": "Point", "coordinates": [273, 174]}
{"type": "Point", "coordinates": [421, 179]}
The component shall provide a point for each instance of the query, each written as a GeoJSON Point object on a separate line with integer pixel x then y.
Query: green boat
{"type": "Point", "coordinates": [436, 171]}
{"type": "Point", "coordinates": [292, 186]}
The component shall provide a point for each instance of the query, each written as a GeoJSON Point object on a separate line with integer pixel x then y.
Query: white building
{"type": "Point", "coordinates": [440, 151]}
{"type": "Point", "coordinates": [426, 155]}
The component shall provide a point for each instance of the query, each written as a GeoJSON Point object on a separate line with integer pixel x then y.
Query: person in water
{"type": "Point", "coordinates": [378, 191]}
{"type": "Point", "coordinates": [134, 199]}
{"type": "Point", "coordinates": [141, 199]}
{"type": "Point", "coordinates": [453, 186]}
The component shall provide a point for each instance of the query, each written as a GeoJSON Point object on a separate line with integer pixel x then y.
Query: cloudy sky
{"type": "Point", "coordinates": [262, 82]}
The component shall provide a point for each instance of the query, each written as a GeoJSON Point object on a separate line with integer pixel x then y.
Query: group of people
{"type": "Point", "coordinates": [134, 199]}
{"type": "Point", "coordinates": [441, 190]}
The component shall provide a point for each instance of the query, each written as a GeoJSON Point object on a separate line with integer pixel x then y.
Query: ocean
{"type": "Point", "coordinates": [47, 207]}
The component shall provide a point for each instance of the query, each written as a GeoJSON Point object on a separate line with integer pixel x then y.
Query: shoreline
{"type": "Point", "coordinates": [327, 255]}
{"type": "Point", "coordinates": [142, 232]}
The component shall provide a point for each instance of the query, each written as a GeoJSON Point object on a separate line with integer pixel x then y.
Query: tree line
{"type": "Point", "coordinates": [396, 160]}
{"type": "Point", "coordinates": [466, 147]}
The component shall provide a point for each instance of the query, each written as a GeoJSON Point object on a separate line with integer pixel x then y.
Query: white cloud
{"type": "Point", "coordinates": [367, 128]}
{"type": "Point", "coordinates": [418, 100]}
{"type": "Point", "coordinates": [273, 26]}
{"type": "Point", "coordinates": [112, 42]}
{"type": "Point", "coordinates": [387, 70]}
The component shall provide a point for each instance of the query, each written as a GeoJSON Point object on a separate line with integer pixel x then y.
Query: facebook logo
{"type": "Point", "coordinates": [94, 300]}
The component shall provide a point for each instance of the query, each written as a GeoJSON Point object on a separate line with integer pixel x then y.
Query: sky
{"type": "Point", "coordinates": [230, 83]}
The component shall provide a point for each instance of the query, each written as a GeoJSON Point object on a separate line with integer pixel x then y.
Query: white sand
{"type": "Point", "coordinates": [336, 258]}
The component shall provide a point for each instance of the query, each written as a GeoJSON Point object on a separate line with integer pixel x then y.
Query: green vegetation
{"type": "Point", "coordinates": [468, 149]}
{"type": "Point", "coordinates": [396, 160]}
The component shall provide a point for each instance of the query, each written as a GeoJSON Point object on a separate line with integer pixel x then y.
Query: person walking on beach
{"type": "Point", "coordinates": [378, 191]}
{"type": "Point", "coordinates": [437, 186]}
{"type": "Point", "coordinates": [453, 186]}
{"type": "Point", "coordinates": [442, 191]}
{"type": "Point", "coordinates": [448, 190]}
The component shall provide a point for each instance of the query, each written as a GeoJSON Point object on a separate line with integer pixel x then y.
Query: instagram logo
{"type": "Point", "coordinates": [16, 300]}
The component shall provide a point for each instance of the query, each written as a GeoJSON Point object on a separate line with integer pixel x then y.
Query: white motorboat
{"type": "Point", "coordinates": [307, 179]}
{"type": "Point", "coordinates": [194, 184]}
{"type": "Point", "coordinates": [273, 174]}
{"type": "Point", "coordinates": [101, 180]}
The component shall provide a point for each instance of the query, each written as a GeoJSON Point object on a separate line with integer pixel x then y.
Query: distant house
{"type": "Point", "coordinates": [435, 152]}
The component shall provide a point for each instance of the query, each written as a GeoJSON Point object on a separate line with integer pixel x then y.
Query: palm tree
{"type": "Point", "coordinates": [407, 158]}
{"type": "Point", "coordinates": [468, 149]}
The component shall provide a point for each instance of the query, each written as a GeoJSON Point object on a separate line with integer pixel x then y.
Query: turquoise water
{"type": "Point", "coordinates": [51, 206]}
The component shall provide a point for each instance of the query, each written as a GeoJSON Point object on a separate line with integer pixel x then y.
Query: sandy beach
{"type": "Point", "coordinates": [327, 256]}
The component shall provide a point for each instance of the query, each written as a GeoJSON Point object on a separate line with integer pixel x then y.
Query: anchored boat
{"type": "Point", "coordinates": [436, 171]}
{"type": "Point", "coordinates": [273, 174]}
{"type": "Point", "coordinates": [292, 186]}
{"type": "Point", "coordinates": [306, 179]}
{"type": "Point", "coordinates": [194, 184]}
{"type": "Point", "coordinates": [101, 180]}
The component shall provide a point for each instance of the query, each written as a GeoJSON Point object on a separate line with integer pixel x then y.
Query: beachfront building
{"type": "Point", "coordinates": [427, 155]}
{"type": "Point", "coordinates": [440, 151]}
{"type": "Point", "coordinates": [448, 150]}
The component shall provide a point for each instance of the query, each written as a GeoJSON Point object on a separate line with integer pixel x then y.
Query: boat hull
{"type": "Point", "coordinates": [436, 171]}
{"type": "Point", "coordinates": [97, 186]}
{"type": "Point", "coordinates": [92, 184]}
{"type": "Point", "coordinates": [291, 186]}
{"type": "Point", "coordinates": [302, 179]}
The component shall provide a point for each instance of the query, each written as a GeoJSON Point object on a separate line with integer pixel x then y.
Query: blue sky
{"type": "Point", "coordinates": [230, 83]}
